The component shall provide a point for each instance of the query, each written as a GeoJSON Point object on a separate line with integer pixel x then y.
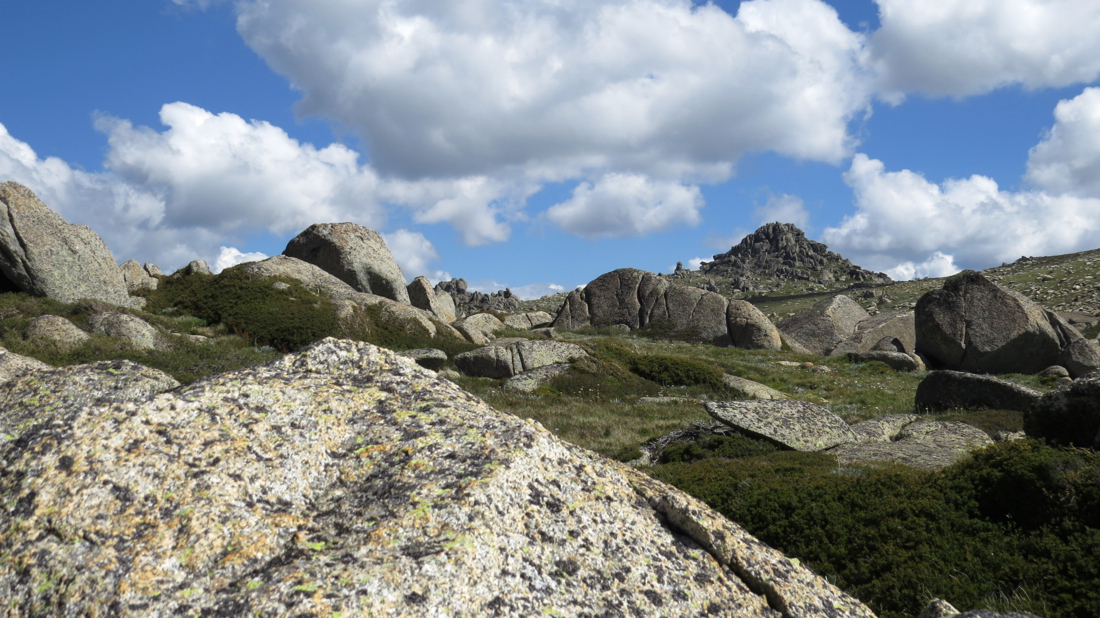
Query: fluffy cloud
{"type": "Point", "coordinates": [938, 265]}
{"type": "Point", "coordinates": [966, 47]}
{"type": "Point", "coordinates": [231, 256]}
{"type": "Point", "coordinates": [784, 209]}
{"type": "Point", "coordinates": [532, 291]}
{"type": "Point", "coordinates": [1068, 158]}
{"type": "Point", "coordinates": [626, 205]}
{"type": "Point", "coordinates": [903, 218]}
{"type": "Point", "coordinates": [413, 252]}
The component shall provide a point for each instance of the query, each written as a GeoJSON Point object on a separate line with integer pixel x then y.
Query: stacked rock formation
{"type": "Point", "coordinates": [469, 303]}
{"type": "Point", "coordinates": [346, 480]}
{"type": "Point", "coordinates": [781, 251]}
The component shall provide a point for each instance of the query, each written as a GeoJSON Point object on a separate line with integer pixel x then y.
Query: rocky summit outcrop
{"type": "Point", "coordinates": [354, 254]}
{"type": "Point", "coordinates": [957, 390]}
{"type": "Point", "coordinates": [975, 325]}
{"type": "Point", "coordinates": [781, 251]}
{"type": "Point", "coordinates": [635, 299]}
{"type": "Point", "coordinates": [795, 425]}
{"type": "Point", "coordinates": [1069, 416]}
{"type": "Point", "coordinates": [345, 480]}
{"type": "Point", "coordinates": [505, 358]}
{"type": "Point", "coordinates": [43, 255]}
{"type": "Point", "coordinates": [468, 303]}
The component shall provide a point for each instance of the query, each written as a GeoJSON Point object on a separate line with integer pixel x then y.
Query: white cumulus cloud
{"type": "Point", "coordinates": [784, 209]}
{"type": "Point", "coordinates": [967, 47]}
{"type": "Point", "coordinates": [901, 217]}
{"type": "Point", "coordinates": [532, 291]}
{"type": "Point", "coordinates": [231, 256]}
{"type": "Point", "coordinates": [1067, 160]}
{"type": "Point", "coordinates": [413, 252]}
{"type": "Point", "coordinates": [939, 264]}
{"type": "Point", "coordinates": [621, 205]}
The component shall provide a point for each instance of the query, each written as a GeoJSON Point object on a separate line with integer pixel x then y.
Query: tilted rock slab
{"type": "Point", "coordinates": [355, 254]}
{"type": "Point", "coordinates": [505, 358]}
{"type": "Point", "coordinates": [921, 444]}
{"type": "Point", "coordinates": [530, 381]}
{"type": "Point", "coordinates": [750, 329]}
{"type": "Point", "coordinates": [796, 425]}
{"type": "Point", "coordinates": [950, 390]}
{"type": "Point", "coordinates": [884, 429]}
{"type": "Point", "coordinates": [900, 328]}
{"type": "Point", "coordinates": [43, 255]}
{"type": "Point", "coordinates": [345, 479]}
{"type": "Point", "coordinates": [822, 327]}
{"type": "Point", "coordinates": [1069, 415]}
{"type": "Point", "coordinates": [975, 325]}
{"type": "Point", "coordinates": [422, 296]}
{"type": "Point", "coordinates": [479, 328]}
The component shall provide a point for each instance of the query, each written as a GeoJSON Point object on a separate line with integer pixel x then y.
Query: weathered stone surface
{"type": "Point", "coordinates": [469, 302]}
{"type": "Point", "coordinates": [574, 312]}
{"type": "Point", "coordinates": [135, 330]}
{"type": "Point", "coordinates": [821, 328]}
{"type": "Point", "coordinates": [797, 425]}
{"type": "Point", "coordinates": [195, 267]}
{"type": "Point", "coordinates": [938, 608]}
{"type": "Point", "coordinates": [898, 361]}
{"type": "Point", "coordinates": [346, 480]}
{"type": "Point", "coordinates": [1069, 415]}
{"type": "Point", "coordinates": [1055, 371]}
{"type": "Point", "coordinates": [422, 296]}
{"type": "Point", "coordinates": [751, 390]}
{"type": "Point", "coordinates": [41, 397]}
{"type": "Point", "coordinates": [428, 358]}
{"type": "Point", "coordinates": [446, 303]}
{"type": "Point", "coordinates": [975, 325]}
{"type": "Point", "coordinates": [791, 344]}
{"type": "Point", "coordinates": [949, 390]}
{"type": "Point", "coordinates": [14, 365]}
{"type": "Point", "coordinates": [43, 255]}
{"type": "Point", "coordinates": [136, 278]}
{"type": "Point", "coordinates": [505, 358]}
{"type": "Point", "coordinates": [152, 269]}
{"type": "Point", "coordinates": [922, 444]}
{"type": "Point", "coordinates": [311, 276]}
{"type": "Point", "coordinates": [897, 328]}
{"type": "Point", "coordinates": [749, 328]}
{"type": "Point", "coordinates": [528, 320]}
{"type": "Point", "coordinates": [355, 254]}
{"type": "Point", "coordinates": [530, 381]}
{"type": "Point", "coordinates": [57, 329]}
{"type": "Point", "coordinates": [883, 429]}
{"type": "Point", "coordinates": [480, 328]}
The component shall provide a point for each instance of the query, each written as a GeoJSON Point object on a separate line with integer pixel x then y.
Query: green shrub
{"type": "Point", "coordinates": [1012, 529]}
{"type": "Point", "coordinates": [989, 421]}
{"type": "Point", "coordinates": [729, 447]}
{"type": "Point", "coordinates": [675, 371]}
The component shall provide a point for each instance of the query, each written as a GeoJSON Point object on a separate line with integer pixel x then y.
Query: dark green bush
{"type": "Point", "coordinates": [729, 447]}
{"type": "Point", "coordinates": [1012, 529]}
{"type": "Point", "coordinates": [675, 371]}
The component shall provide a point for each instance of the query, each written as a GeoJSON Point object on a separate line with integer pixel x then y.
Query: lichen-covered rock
{"type": "Point", "coordinates": [883, 429]}
{"type": "Point", "coordinates": [822, 327]}
{"type": "Point", "coordinates": [14, 365]}
{"type": "Point", "coordinates": [43, 255]}
{"type": "Point", "coordinates": [975, 325]}
{"type": "Point", "coordinates": [152, 269]}
{"type": "Point", "coordinates": [133, 329]}
{"type": "Point", "coordinates": [428, 358]}
{"type": "Point", "coordinates": [194, 267]}
{"type": "Point", "coordinates": [479, 328]}
{"type": "Point", "coordinates": [950, 390]}
{"type": "Point", "coordinates": [530, 381]}
{"type": "Point", "coordinates": [897, 328]}
{"type": "Point", "coordinates": [505, 358]}
{"type": "Point", "coordinates": [921, 444]}
{"type": "Point", "coordinates": [796, 425]}
{"type": "Point", "coordinates": [528, 320]}
{"type": "Point", "coordinates": [573, 313]}
{"type": "Point", "coordinates": [136, 277]}
{"type": "Point", "coordinates": [751, 390]}
{"type": "Point", "coordinates": [749, 328]}
{"type": "Point", "coordinates": [345, 480]}
{"type": "Point", "coordinates": [422, 296]}
{"type": "Point", "coordinates": [63, 333]}
{"type": "Point", "coordinates": [355, 254]}
{"type": "Point", "coordinates": [1069, 415]}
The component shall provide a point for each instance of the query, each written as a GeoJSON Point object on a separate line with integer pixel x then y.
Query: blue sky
{"type": "Point", "coordinates": [537, 144]}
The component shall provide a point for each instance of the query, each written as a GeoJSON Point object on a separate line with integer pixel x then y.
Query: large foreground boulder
{"type": "Point", "coordinates": [975, 325]}
{"type": "Point", "coordinates": [956, 390]}
{"type": "Point", "coordinates": [345, 480]}
{"type": "Point", "coordinates": [1069, 415]}
{"type": "Point", "coordinates": [355, 254]}
{"type": "Point", "coordinates": [43, 255]}
{"type": "Point", "coordinates": [795, 425]}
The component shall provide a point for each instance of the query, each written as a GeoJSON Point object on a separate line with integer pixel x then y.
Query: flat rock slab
{"type": "Point", "coordinates": [505, 358]}
{"type": "Point", "coordinates": [530, 381]}
{"type": "Point", "coordinates": [950, 390]}
{"type": "Point", "coordinates": [797, 425]}
{"type": "Point", "coordinates": [883, 429]}
{"type": "Point", "coordinates": [923, 444]}
{"type": "Point", "coordinates": [751, 390]}
{"type": "Point", "coordinates": [346, 480]}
